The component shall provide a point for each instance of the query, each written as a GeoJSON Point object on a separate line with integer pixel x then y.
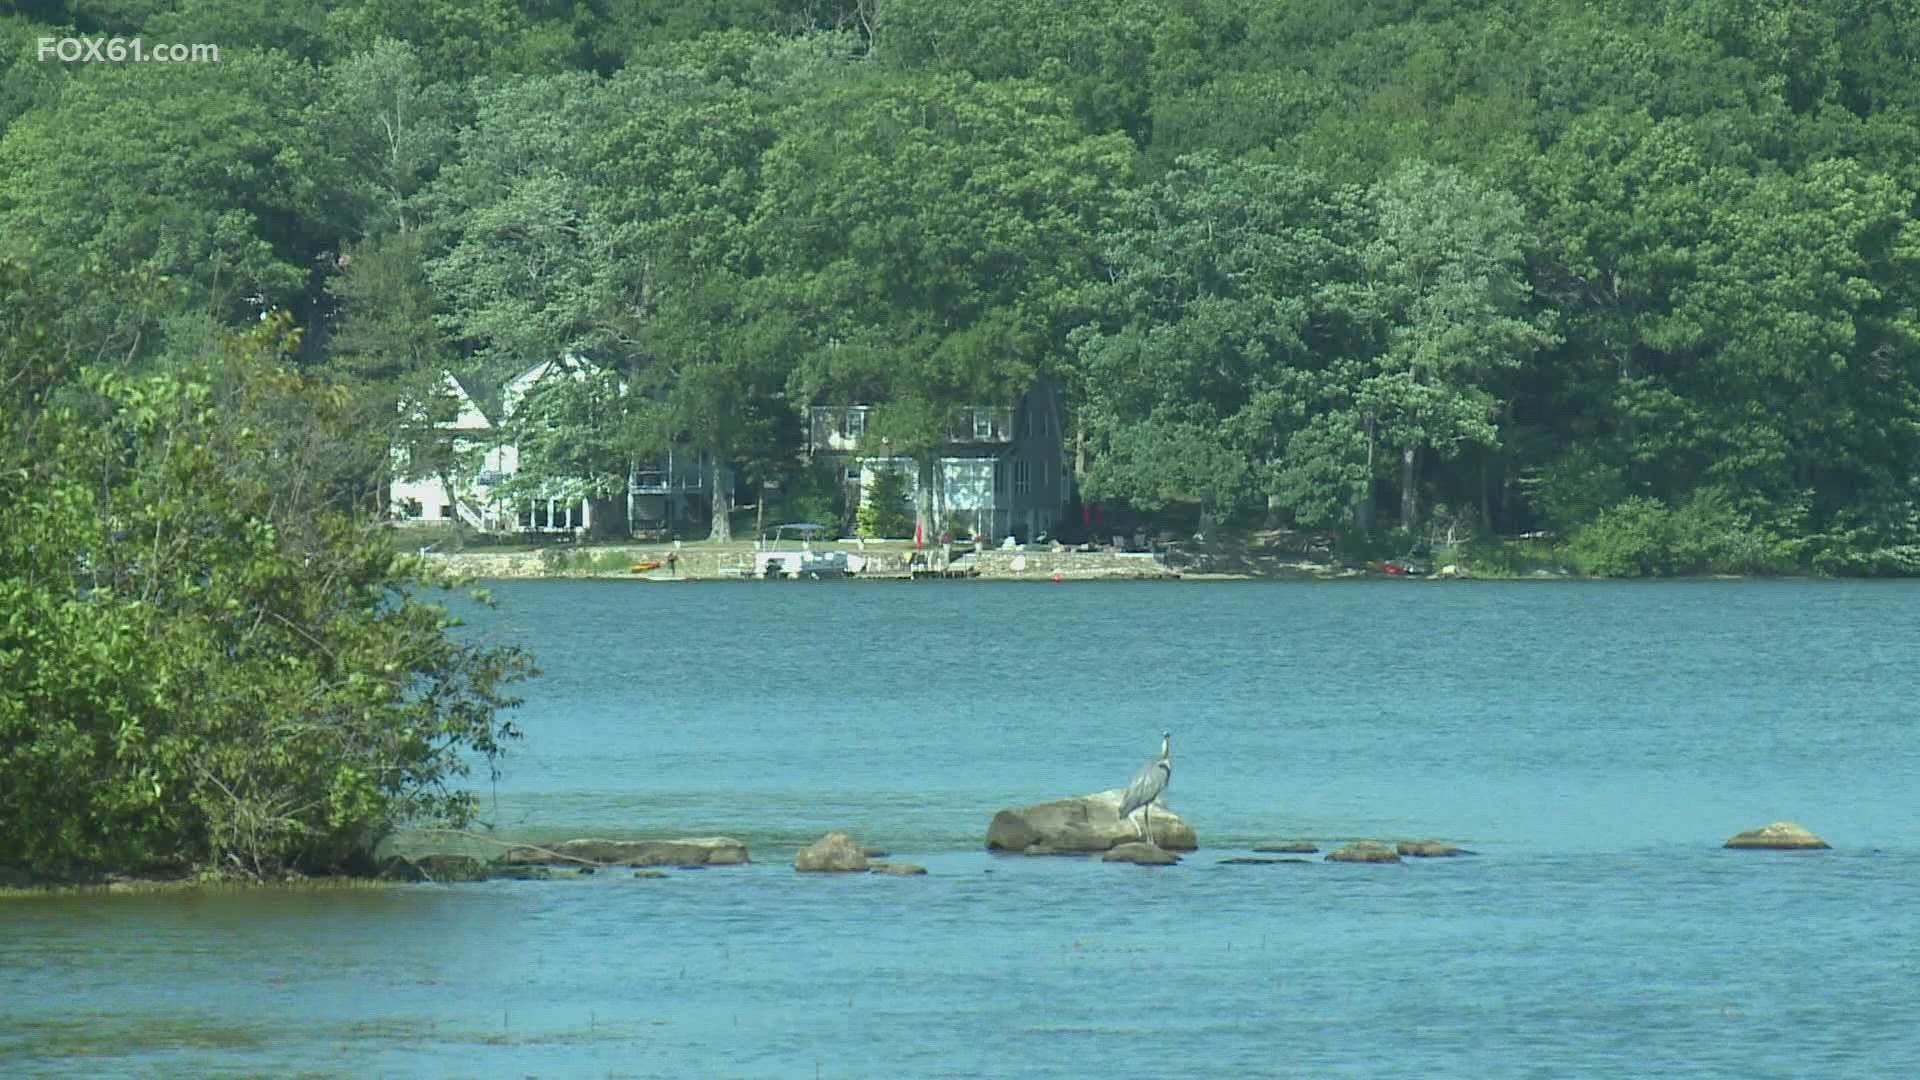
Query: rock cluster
{"type": "Point", "coordinates": [1088, 823]}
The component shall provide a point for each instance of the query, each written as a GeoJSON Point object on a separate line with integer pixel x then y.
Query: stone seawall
{"type": "Point", "coordinates": [1070, 566]}
{"type": "Point", "coordinates": [698, 564]}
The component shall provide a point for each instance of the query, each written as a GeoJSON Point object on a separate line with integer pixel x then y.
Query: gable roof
{"type": "Point", "coordinates": [476, 395]}
{"type": "Point", "coordinates": [517, 388]}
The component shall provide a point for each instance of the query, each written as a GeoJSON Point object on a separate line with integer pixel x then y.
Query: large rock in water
{"type": "Point", "coordinates": [696, 851]}
{"type": "Point", "coordinates": [1779, 836]}
{"type": "Point", "coordinates": [833, 853]}
{"type": "Point", "coordinates": [1087, 823]}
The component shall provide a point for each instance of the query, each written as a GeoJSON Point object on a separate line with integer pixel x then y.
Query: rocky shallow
{"type": "Point", "coordinates": [1087, 826]}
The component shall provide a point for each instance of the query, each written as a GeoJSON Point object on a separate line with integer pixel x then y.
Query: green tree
{"type": "Point", "coordinates": [931, 239]}
{"type": "Point", "coordinates": [1230, 280]}
{"type": "Point", "coordinates": [529, 271]}
{"type": "Point", "coordinates": [212, 660]}
{"type": "Point", "coordinates": [1444, 273]}
{"type": "Point", "coordinates": [136, 172]}
{"type": "Point", "coordinates": [885, 511]}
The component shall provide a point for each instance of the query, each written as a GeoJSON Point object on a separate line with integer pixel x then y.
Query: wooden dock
{"type": "Point", "coordinates": [930, 573]}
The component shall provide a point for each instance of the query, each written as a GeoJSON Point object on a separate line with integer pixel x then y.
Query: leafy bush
{"type": "Point", "coordinates": [209, 660]}
{"type": "Point", "coordinates": [1707, 534]}
{"type": "Point", "coordinates": [1633, 538]}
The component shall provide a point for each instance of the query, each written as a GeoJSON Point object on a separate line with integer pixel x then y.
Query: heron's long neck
{"type": "Point", "coordinates": [1166, 750]}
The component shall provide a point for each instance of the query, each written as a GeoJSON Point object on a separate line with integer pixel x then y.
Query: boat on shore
{"type": "Point", "coordinates": [774, 562]}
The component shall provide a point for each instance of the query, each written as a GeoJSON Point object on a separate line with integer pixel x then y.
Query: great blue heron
{"type": "Point", "coordinates": [1146, 786]}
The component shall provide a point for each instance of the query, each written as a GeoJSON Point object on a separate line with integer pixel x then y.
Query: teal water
{"type": "Point", "coordinates": [1594, 744]}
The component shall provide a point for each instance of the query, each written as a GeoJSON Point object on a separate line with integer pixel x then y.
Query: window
{"type": "Point", "coordinates": [446, 510]}
{"type": "Point", "coordinates": [1022, 478]}
{"type": "Point", "coordinates": [983, 423]}
{"type": "Point", "coordinates": [853, 423]}
{"type": "Point", "coordinates": [853, 474]}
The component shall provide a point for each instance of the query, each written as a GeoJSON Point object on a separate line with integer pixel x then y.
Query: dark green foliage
{"type": "Point", "coordinates": [816, 493]}
{"type": "Point", "coordinates": [1639, 270]}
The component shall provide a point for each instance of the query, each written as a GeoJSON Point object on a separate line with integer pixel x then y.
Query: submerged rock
{"type": "Point", "coordinates": [897, 869]}
{"type": "Point", "coordinates": [1288, 847]}
{"type": "Point", "coordinates": [1254, 860]}
{"type": "Point", "coordinates": [522, 873]}
{"type": "Point", "coordinates": [435, 868]}
{"type": "Point", "coordinates": [1779, 836]}
{"type": "Point", "coordinates": [833, 853]}
{"type": "Point", "coordinates": [1365, 851]}
{"type": "Point", "coordinates": [696, 851]}
{"type": "Point", "coordinates": [1083, 824]}
{"type": "Point", "coordinates": [1140, 854]}
{"type": "Point", "coordinates": [1428, 849]}
{"type": "Point", "coordinates": [649, 875]}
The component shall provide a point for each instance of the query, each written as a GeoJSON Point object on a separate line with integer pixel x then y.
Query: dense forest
{"type": "Point", "coordinates": [1638, 275]}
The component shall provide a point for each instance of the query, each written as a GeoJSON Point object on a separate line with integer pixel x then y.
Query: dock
{"type": "Point", "coordinates": [929, 573]}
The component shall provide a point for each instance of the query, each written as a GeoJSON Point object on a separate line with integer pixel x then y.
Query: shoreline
{"type": "Point", "coordinates": [704, 563]}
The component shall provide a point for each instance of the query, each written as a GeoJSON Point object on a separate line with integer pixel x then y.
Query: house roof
{"type": "Point", "coordinates": [484, 399]}
{"type": "Point", "coordinates": [518, 387]}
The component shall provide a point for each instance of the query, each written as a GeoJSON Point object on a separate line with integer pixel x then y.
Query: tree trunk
{"type": "Point", "coordinates": [1486, 497]}
{"type": "Point", "coordinates": [453, 501]}
{"type": "Point", "coordinates": [1409, 492]}
{"type": "Point", "coordinates": [1363, 502]}
{"type": "Point", "coordinates": [722, 503]}
{"type": "Point", "coordinates": [940, 496]}
{"type": "Point", "coordinates": [923, 501]}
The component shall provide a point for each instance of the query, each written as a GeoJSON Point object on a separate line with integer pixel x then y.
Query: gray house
{"type": "Point", "coordinates": [1001, 471]}
{"type": "Point", "coordinates": [671, 493]}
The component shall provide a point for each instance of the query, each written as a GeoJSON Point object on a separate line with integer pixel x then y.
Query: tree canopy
{"type": "Point", "coordinates": [1369, 267]}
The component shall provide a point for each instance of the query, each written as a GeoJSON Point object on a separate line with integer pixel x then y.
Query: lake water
{"type": "Point", "coordinates": [1595, 744]}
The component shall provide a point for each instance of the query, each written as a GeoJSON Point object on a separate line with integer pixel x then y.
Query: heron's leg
{"type": "Point", "coordinates": [1147, 832]}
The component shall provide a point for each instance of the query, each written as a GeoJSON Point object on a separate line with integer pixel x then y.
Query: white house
{"type": "Point", "coordinates": [659, 492]}
{"type": "Point", "coordinates": [463, 491]}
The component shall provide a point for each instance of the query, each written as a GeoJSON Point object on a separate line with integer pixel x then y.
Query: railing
{"type": "Point", "coordinates": [649, 482]}
{"type": "Point", "coordinates": [664, 478]}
